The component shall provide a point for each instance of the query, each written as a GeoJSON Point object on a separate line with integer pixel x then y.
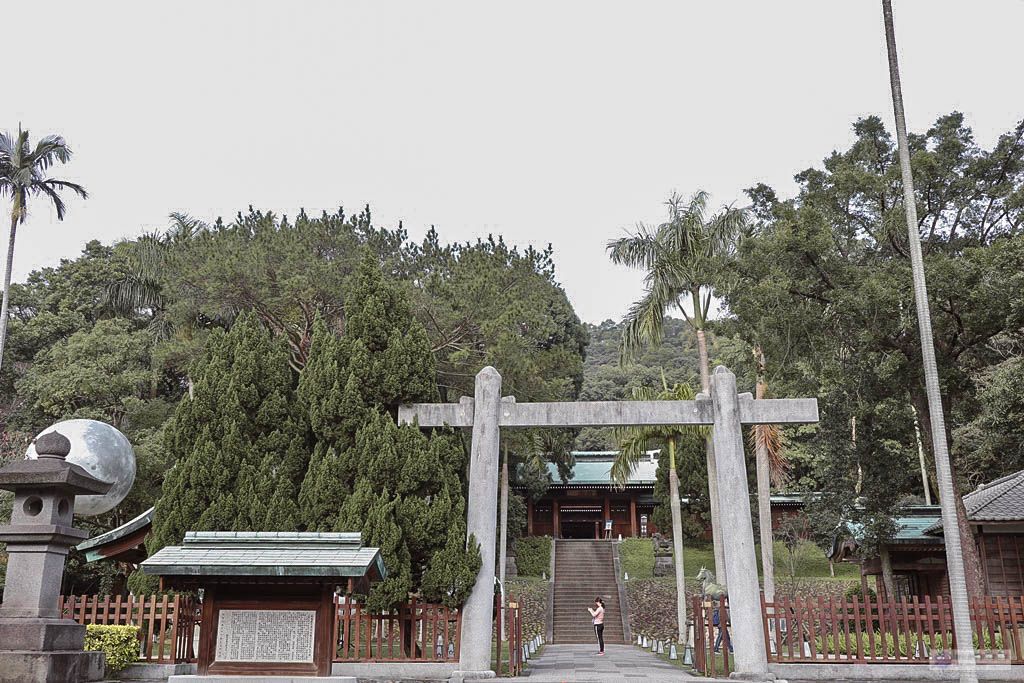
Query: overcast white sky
{"type": "Point", "coordinates": [560, 122]}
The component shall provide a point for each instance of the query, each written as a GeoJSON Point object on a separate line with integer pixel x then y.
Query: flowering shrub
{"type": "Point", "coordinates": [119, 643]}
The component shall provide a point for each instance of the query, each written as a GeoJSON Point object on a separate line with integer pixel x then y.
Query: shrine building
{"type": "Point", "coordinates": [581, 506]}
{"type": "Point", "coordinates": [995, 512]}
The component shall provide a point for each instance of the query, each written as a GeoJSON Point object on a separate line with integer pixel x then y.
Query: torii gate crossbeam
{"type": "Point", "coordinates": [726, 410]}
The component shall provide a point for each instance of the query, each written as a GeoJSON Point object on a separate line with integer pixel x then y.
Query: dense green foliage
{"type": "Point", "coordinates": [825, 289]}
{"type": "Point", "coordinates": [227, 313]}
{"type": "Point", "coordinates": [240, 442]}
{"type": "Point", "coordinates": [246, 434]}
{"type": "Point", "coordinates": [120, 644]}
{"type": "Point", "coordinates": [533, 555]}
{"type": "Point", "coordinates": [401, 488]}
{"type": "Point", "coordinates": [605, 379]}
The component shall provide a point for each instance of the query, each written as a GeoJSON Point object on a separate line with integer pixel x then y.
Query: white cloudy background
{"type": "Point", "coordinates": [560, 122]}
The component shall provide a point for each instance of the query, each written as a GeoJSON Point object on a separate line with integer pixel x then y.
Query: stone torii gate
{"type": "Point", "coordinates": [487, 412]}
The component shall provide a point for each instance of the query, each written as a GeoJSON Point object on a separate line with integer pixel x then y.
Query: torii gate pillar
{"type": "Point", "coordinates": [737, 531]}
{"type": "Point", "coordinates": [475, 639]}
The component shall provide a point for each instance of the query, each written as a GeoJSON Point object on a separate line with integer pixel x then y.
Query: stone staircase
{"type": "Point", "coordinates": [583, 571]}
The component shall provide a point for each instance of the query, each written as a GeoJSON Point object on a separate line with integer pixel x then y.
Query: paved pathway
{"type": "Point", "coordinates": [558, 663]}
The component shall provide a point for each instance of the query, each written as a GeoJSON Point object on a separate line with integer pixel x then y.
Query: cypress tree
{"type": "Point", "coordinates": [400, 487]}
{"type": "Point", "coordinates": [239, 441]}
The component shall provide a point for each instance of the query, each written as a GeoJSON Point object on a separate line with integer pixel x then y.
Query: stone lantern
{"type": "Point", "coordinates": [35, 643]}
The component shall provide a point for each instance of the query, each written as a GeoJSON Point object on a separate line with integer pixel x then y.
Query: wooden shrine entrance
{"type": "Point", "coordinates": [581, 520]}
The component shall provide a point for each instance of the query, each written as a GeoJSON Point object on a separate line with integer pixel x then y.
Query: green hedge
{"type": "Point", "coordinates": [120, 643]}
{"type": "Point", "coordinates": [890, 644]}
{"type": "Point", "coordinates": [533, 555]}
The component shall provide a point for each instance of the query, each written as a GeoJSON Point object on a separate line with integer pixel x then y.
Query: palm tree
{"type": "Point", "coordinates": [147, 257]}
{"type": "Point", "coordinates": [141, 289]}
{"type": "Point", "coordinates": [682, 260]}
{"type": "Point", "coordinates": [23, 175]}
{"type": "Point", "coordinates": [947, 496]}
{"type": "Point", "coordinates": [633, 444]}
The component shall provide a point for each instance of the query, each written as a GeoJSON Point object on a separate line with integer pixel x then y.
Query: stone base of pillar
{"type": "Point", "coordinates": [461, 676]}
{"type": "Point", "coordinates": [61, 666]}
{"type": "Point", "coordinates": [738, 676]}
{"type": "Point", "coordinates": [34, 649]}
{"type": "Point", "coordinates": [41, 635]}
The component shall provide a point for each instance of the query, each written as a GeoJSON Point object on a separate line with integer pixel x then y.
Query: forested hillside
{"type": "Point", "coordinates": [605, 379]}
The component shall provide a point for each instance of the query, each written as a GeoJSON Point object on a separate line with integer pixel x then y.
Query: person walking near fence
{"type": "Point", "coordinates": [597, 612]}
{"type": "Point", "coordinates": [716, 621]}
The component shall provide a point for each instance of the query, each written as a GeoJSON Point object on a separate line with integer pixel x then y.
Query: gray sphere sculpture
{"type": "Point", "coordinates": [103, 452]}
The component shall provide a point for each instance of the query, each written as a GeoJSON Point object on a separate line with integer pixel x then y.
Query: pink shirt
{"type": "Point", "coordinates": [598, 615]}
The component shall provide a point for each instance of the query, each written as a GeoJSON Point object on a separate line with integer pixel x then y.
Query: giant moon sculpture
{"type": "Point", "coordinates": [103, 452]}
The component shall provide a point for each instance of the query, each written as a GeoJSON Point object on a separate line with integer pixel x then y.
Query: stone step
{"type": "Point", "coordinates": [583, 570]}
{"type": "Point", "coordinates": [588, 637]}
{"type": "Point", "coordinates": [576, 570]}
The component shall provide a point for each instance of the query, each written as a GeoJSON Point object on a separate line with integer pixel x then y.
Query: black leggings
{"type": "Point", "coordinates": [599, 630]}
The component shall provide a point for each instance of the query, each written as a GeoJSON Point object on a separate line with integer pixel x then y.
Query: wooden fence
{"type": "Point", "coordinates": [166, 623]}
{"type": "Point", "coordinates": [707, 625]}
{"type": "Point", "coordinates": [415, 631]}
{"type": "Point", "coordinates": [512, 614]}
{"type": "Point", "coordinates": [918, 631]}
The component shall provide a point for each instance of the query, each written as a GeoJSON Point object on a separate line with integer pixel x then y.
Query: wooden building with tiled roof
{"type": "Point", "coordinates": [580, 506]}
{"type": "Point", "coordinates": [996, 514]}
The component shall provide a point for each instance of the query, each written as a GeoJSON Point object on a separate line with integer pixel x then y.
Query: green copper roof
{"type": "Point", "coordinates": [593, 468]}
{"type": "Point", "coordinates": [267, 553]}
{"type": "Point", "coordinates": [129, 527]}
{"type": "Point", "coordinates": [912, 529]}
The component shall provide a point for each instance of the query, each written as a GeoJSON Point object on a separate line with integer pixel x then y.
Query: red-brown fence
{"type": "Point", "coordinates": [904, 631]}
{"type": "Point", "coordinates": [166, 623]}
{"type": "Point", "coordinates": [415, 631]}
{"type": "Point", "coordinates": [711, 632]}
{"type": "Point", "coordinates": [512, 614]}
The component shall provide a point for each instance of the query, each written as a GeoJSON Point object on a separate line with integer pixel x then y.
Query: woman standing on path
{"type": "Point", "coordinates": [598, 615]}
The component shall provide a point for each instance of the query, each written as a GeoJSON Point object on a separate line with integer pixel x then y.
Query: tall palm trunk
{"type": "Point", "coordinates": [974, 573]}
{"type": "Point", "coordinates": [504, 536]}
{"type": "Point", "coordinates": [950, 523]}
{"type": "Point", "coordinates": [7, 281]}
{"type": "Point", "coordinates": [677, 541]}
{"type": "Point", "coordinates": [764, 504]}
{"type": "Point", "coordinates": [921, 459]}
{"type": "Point", "coordinates": [721, 571]}
{"type": "Point", "coordinates": [888, 577]}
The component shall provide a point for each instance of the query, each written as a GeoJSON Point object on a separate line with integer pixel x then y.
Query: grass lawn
{"type": "Point", "coordinates": [637, 558]}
